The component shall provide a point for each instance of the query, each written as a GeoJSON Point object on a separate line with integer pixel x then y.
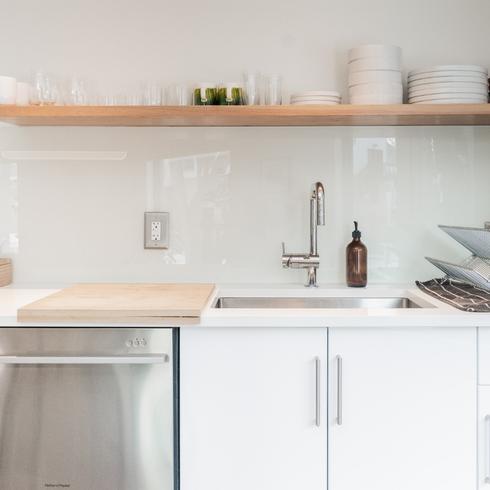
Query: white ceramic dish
{"type": "Point", "coordinates": [448, 80]}
{"type": "Point", "coordinates": [374, 76]}
{"type": "Point", "coordinates": [475, 75]}
{"type": "Point", "coordinates": [427, 90]}
{"type": "Point", "coordinates": [377, 88]}
{"type": "Point", "coordinates": [373, 64]}
{"type": "Point", "coordinates": [299, 101]}
{"type": "Point", "coordinates": [314, 98]}
{"type": "Point", "coordinates": [449, 101]}
{"type": "Point", "coordinates": [478, 86]}
{"type": "Point", "coordinates": [456, 68]}
{"type": "Point", "coordinates": [449, 92]}
{"type": "Point", "coordinates": [317, 93]}
{"type": "Point", "coordinates": [423, 98]}
{"type": "Point", "coordinates": [313, 102]}
{"type": "Point", "coordinates": [306, 102]}
{"type": "Point", "coordinates": [394, 62]}
{"type": "Point", "coordinates": [374, 51]}
{"type": "Point", "coordinates": [375, 100]}
{"type": "Point", "coordinates": [8, 90]}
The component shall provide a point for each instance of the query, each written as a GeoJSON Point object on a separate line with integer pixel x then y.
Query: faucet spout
{"type": "Point", "coordinates": [319, 194]}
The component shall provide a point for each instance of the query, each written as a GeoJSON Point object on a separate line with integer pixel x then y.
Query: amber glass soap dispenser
{"type": "Point", "coordinates": [356, 261]}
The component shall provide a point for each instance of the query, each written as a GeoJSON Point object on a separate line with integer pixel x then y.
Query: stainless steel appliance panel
{"type": "Point", "coordinates": [86, 409]}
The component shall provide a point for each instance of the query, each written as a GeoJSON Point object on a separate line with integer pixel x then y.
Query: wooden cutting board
{"type": "Point", "coordinates": [121, 303]}
{"type": "Point", "coordinates": [5, 272]}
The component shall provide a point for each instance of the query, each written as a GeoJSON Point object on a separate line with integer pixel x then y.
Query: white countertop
{"type": "Point", "coordinates": [437, 315]}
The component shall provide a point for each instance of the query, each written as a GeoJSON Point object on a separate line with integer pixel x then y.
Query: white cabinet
{"type": "Point", "coordinates": [408, 407]}
{"type": "Point", "coordinates": [249, 404]}
{"type": "Point", "coordinates": [484, 438]}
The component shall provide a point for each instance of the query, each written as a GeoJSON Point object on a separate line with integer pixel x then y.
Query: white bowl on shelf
{"type": "Point", "coordinates": [365, 64]}
{"type": "Point", "coordinates": [376, 99]}
{"type": "Point", "coordinates": [313, 99]}
{"type": "Point", "coordinates": [379, 88]}
{"type": "Point", "coordinates": [316, 102]}
{"type": "Point", "coordinates": [316, 93]}
{"type": "Point", "coordinates": [374, 51]}
{"type": "Point", "coordinates": [374, 76]}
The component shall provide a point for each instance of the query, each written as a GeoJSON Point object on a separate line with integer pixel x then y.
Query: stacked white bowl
{"type": "Point", "coordinates": [448, 84]}
{"type": "Point", "coordinates": [316, 97]}
{"type": "Point", "coordinates": [375, 75]}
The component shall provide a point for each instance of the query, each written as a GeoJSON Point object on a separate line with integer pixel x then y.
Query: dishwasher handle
{"type": "Point", "coordinates": [134, 359]}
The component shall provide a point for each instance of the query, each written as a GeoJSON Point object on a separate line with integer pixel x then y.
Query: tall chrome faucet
{"type": "Point", "coordinates": [309, 261]}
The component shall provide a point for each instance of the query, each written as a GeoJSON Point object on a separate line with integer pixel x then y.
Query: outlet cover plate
{"type": "Point", "coordinates": [156, 223]}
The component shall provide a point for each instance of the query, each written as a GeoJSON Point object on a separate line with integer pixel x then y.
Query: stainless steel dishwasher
{"type": "Point", "coordinates": [88, 408]}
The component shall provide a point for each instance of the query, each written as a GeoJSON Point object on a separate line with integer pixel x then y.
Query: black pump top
{"type": "Point", "coordinates": [356, 233]}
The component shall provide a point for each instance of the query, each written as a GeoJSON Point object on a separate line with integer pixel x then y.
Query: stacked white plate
{"type": "Point", "coordinates": [375, 75]}
{"type": "Point", "coordinates": [448, 84]}
{"type": "Point", "coordinates": [316, 97]}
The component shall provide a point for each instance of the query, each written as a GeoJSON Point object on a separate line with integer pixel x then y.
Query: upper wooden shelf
{"type": "Point", "coordinates": [340, 115]}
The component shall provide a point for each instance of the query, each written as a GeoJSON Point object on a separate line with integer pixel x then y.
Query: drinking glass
{"type": "Point", "coordinates": [178, 94]}
{"type": "Point", "coordinates": [77, 93]}
{"type": "Point", "coordinates": [251, 88]}
{"type": "Point", "coordinates": [46, 89]}
{"type": "Point", "coordinates": [152, 94]}
{"type": "Point", "coordinates": [273, 90]}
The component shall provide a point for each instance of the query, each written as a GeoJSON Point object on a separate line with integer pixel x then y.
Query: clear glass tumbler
{"type": "Point", "coordinates": [273, 90]}
{"type": "Point", "coordinates": [152, 94]}
{"type": "Point", "coordinates": [251, 88]}
{"type": "Point", "coordinates": [178, 94]}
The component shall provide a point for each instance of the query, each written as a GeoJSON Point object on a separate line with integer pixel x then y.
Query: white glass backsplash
{"type": "Point", "coordinates": [234, 194]}
{"type": "Point", "coordinates": [8, 209]}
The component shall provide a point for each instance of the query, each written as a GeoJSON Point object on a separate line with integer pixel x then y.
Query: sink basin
{"type": "Point", "coordinates": [325, 302]}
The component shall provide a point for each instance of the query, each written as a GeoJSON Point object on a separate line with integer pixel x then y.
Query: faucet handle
{"type": "Point", "coordinates": [283, 248]}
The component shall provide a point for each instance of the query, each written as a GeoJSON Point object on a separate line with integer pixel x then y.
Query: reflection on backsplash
{"type": "Point", "coordinates": [196, 190]}
{"type": "Point", "coordinates": [234, 194]}
{"type": "Point", "coordinates": [376, 180]}
{"type": "Point", "coordinates": [9, 242]}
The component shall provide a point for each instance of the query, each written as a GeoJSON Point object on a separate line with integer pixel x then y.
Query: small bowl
{"type": "Point", "coordinates": [376, 99]}
{"type": "Point", "coordinates": [377, 89]}
{"type": "Point", "coordinates": [375, 51]}
{"type": "Point", "coordinates": [374, 64]}
{"type": "Point", "coordinates": [374, 76]}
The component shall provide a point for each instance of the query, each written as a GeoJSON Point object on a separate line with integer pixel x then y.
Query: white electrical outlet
{"type": "Point", "coordinates": [156, 230]}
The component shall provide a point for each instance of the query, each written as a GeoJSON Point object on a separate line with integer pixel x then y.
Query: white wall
{"type": "Point", "coordinates": [234, 194]}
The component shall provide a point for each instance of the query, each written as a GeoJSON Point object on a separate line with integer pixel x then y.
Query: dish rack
{"type": "Point", "coordinates": [476, 268]}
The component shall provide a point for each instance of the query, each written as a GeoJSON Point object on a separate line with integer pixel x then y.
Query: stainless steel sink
{"type": "Point", "coordinates": [325, 302]}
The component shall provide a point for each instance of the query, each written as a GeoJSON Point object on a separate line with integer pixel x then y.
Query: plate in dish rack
{"type": "Point", "coordinates": [475, 271]}
{"type": "Point", "coordinates": [476, 240]}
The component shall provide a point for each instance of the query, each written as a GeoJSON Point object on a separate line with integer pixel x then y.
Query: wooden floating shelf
{"type": "Point", "coordinates": [340, 115]}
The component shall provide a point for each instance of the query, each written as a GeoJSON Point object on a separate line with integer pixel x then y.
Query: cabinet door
{"type": "Point", "coordinates": [407, 405]}
{"type": "Point", "coordinates": [253, 409]}
{"type": "Point", "coordinates": [484, 438]}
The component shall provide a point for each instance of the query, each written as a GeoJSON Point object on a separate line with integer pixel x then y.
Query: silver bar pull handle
{"type": "Point", "coordinates": [487, 449]}
{"type": "Point", "coordinates": [318, 394]}
{"type": "Point", "coordinates": [339, 390]}
{"type": "Point", "coordinates": [135, 359]}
